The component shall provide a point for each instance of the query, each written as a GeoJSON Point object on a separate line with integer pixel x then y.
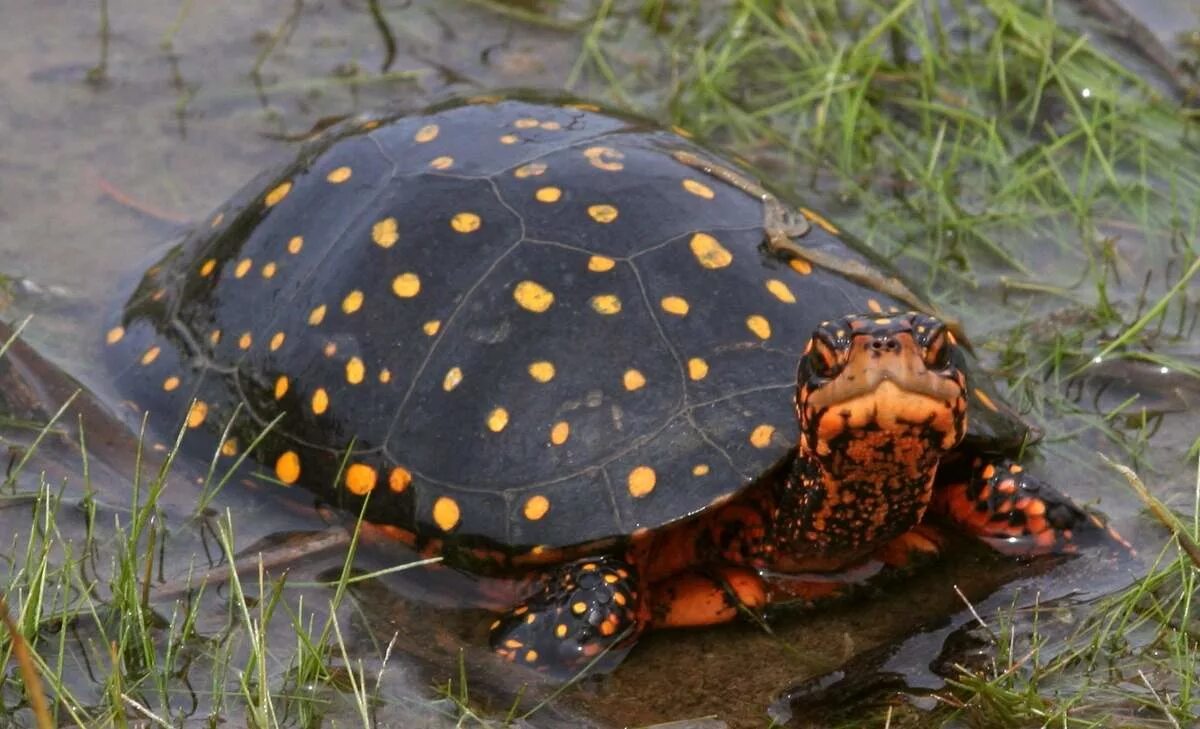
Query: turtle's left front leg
{"type": "Point", "coordinates": [1016, 513]}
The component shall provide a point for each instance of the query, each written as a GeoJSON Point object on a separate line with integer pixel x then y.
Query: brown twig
{"type": "Point", "coordinates": [29, 673]}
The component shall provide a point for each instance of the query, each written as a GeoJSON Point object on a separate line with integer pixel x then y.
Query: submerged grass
{"type": "Point", "coordinates": [1005, 161]}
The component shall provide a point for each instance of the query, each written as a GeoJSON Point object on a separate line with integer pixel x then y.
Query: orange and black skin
{"type": "Point", "coordinates": [880, 402]}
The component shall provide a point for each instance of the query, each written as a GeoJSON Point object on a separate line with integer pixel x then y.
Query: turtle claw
{"type": "Point", "coordinates": [584, 613]}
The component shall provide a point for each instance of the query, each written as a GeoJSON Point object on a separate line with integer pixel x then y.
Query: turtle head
{"type": "Point", "coordinates": [876, 390]}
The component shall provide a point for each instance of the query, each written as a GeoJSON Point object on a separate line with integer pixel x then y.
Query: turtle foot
{"type": "Point", "coordinates": [584, 616]}
{"type": "Point", "coordinates": [1017, 513]}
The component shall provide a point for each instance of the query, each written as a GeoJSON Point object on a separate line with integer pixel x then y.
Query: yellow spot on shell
{"type": "Point", "coordinates": [353, 302]}
{"type": "Point", "coordinates": [399, 479]}
{"type": "Point", "coordinates": [559, 432]}
{"type": "Point", "coordinates": [606, 304]}
{"type": "Point", "coordinates": [759, 325]}
{"type": "Point", "coordinates": [215, 337]}
{"type": "Point", "coordinates": [217, 219]}
{"type": "Point", "coordinates": [445, 513]}
{"type": "Point", "coordinates": [268, 269]}
{"type": "Point", "coordinates": [549, 194]}
{"type": "Point", "coordinates": [532, 296]}
{"type": "Point", "coordinates": [229, 447]}
{"type": "Point", "coordinates": [605, 158]}
{"type": "Point", "coordinates": [171, 383]}
{"type": "Point", "coordinates": [245, 340]}
{"type": "Point", "coordinates": [800, 266]}
{"type": "Point", "coordinates": [676, 305]}
{"type": "Point", "coordinates": [317, 315]}
{"type": "Point", "coordinates": [816, 218]}
{"type": "Point", "coordinates": [533, 169]}
{"type": "Point", "coordinates": [551, 126]}
{"type": "Point", "coordinates": [406, 285]}
{"type": "Point", "coordinates": [536, 507]}
{"type": "Point", "coordinates": [602, 213]}
{"type": "Point", "coordinates": [531, 655]}
{"type": "Point", "coordinates": [277, 341]}
{"type": "Point", "coordinates": [385, 233]}
{"type": "Point", "coordinates": [329, 349]}
{"type": "Point", "coordinates": [431, 327]}
{"type": "Point", "coordinates": [525, 123]}
{"type": "Point", "coordinates": [781, 291]}
{"type": "Point", "coordinates": [709, 251]}
{"type": "Point", "coordinates": [340, 175]}
{"type": "Point", "coordinates": [508, 139]}
{"type": "Point", "coordinates": [465, 222]}
{"type": "Point", "coordinates": [355, 370]}
{"type": "Point", "coordinates": [320, 401]}
{"type": "Point", "coordinates": [600, 264]}
{"type": "Point", "coordinates": [277, 193]}
{"type": "Point", "coordinates": [579, 607]}
{"type": "Point", "coordinates": [281, 386]}
{"type": "Point", "coordinates": [151, 354]}
{"type": "Point", "coordinates": [542, 371]}
{"type": "Point", "coordinates": [560, 630]}
{"type": "Point", "coordinates": [641, 481]}
{"type": "Point", "coordinates": [700, 469]}
{"type": "Point", "coordinates": [114, 335]}
{"type": "Point", "coordinates": [360, 479]}
{"type": "Point", "coordinates": [197, 413]}
{"type": "Point", "coordinates": [207, 267]}
{"type": "Point", "coordinates": [697, 368]}
{"type": "Point", "coordinates": [442, 163]}
{"type": "Point", "coordinates": [243, 267]}
{"type": "Point", "coordinates": [761, 436]}
{"type": "Point", "coordinates": [699, 189]}
{"type": "Point", "coordinates": [287, 467]}
{"type": "Point", "coordinates": [453, 376]}
{"type": "Point", "coordinates": [427, 133]}
{"type": "Point", "coordinates": [497, 420]}
{"type": "Point", "coordinates": [295, 244]}
{"type": "Point", "coordinates": [385, 375]}
{"type": "Point", "coordinates": [874, 306]}
{"type": "Point", "coordinates": [633, 380]}
{"type": "Point", "coordinates": [681, 131]}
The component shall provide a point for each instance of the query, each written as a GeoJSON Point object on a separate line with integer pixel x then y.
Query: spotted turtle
{"type": "Point", "coordinates": [551, 341]}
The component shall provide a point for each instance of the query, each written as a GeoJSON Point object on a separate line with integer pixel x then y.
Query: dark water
{"type": "Point", "coordinates": [106, 151]}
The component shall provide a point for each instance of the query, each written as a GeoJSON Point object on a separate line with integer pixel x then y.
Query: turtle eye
{"type": "Point", "coordinates": [822, 357]}
{"type": "Point", "coordinates": [937, 352]}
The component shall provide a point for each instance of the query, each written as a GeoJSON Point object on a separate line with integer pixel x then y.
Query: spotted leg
{"type": "Point", "coordinates": [580, 610]}
{"type": "Point", "coordinates": [1019, 514]}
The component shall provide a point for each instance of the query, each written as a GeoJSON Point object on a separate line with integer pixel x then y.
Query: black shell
{"type": "Point", "coordinates": [529, 324]}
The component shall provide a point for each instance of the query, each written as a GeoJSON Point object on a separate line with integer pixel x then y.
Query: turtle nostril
{"type": "Point", "coordinates": [885, 344]}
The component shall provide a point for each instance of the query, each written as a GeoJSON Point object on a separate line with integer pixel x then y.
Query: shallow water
{"type": "Point", "coordinates": [99, 168]}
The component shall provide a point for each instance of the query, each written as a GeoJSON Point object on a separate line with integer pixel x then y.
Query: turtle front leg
{"type": "Point", "coordinates": [1017, 513]}
{"type": "Point", "coordinates": [581, 609]}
